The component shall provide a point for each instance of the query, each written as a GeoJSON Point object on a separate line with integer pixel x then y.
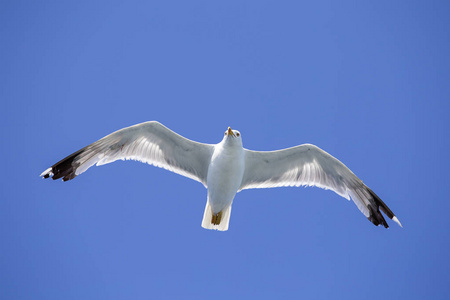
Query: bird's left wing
{"type": "Point", "coordinates": [311, 166]}
{"type": "Point", "coordinates": [148, 142]}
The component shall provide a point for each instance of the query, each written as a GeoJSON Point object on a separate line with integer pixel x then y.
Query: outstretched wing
{"type": "Point", "coordinates": [148, 142]}
{"type": "Point", "coordinates": [309, 165]}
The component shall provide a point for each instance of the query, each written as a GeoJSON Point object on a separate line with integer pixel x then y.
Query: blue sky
{"type": "Point", "coordinates": [367, 81]}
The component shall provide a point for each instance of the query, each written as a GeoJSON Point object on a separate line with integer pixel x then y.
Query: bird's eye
{"type": "Point", "coordinates": [226, 133]}
{"type": "Point", "coordinates": [238, 134]}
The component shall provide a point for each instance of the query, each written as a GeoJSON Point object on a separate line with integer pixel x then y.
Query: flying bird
{"type": "Point", "coordinates": [225, 168]}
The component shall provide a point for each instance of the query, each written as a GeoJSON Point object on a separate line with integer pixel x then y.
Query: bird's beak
{"type": "Point", "coordinates": [230, 132]}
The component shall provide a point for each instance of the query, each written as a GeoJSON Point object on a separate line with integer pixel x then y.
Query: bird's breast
{"type": "Point", "coordinates": [224, 177]}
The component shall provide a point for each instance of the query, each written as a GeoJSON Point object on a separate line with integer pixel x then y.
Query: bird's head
{"type": "Point", "coordinates": [232, 136]}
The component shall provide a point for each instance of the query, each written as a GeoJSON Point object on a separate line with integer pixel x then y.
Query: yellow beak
{"type": "Point", "coordinates": [230, 132]}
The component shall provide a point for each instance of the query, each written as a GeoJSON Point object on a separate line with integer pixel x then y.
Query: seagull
{"type": "Point", "coordinates": [225, 168]}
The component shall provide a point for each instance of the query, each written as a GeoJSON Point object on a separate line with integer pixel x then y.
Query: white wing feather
{"type": "Point", "coordinates": [148, 142]}
{"type": "Point", "coordinates": [309, 165]}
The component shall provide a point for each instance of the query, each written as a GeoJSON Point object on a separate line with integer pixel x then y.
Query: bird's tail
{"type": "Point", "coordinates": [219, 221]}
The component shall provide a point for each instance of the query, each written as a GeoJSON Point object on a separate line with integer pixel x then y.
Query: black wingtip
{"type": "Point", "coordinates": [65, 168]}
{"type": "Point", "coordinates": [375, 215]}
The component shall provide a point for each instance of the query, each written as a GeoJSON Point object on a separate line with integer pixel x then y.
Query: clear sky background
{"type": "Point", "coordinates": [367, 81]}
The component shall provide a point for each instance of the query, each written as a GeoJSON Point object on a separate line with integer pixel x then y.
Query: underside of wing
{"type": "Point", "coordinates": [148, 142]}
{"type": "Point", "coordinates": [309, 165]}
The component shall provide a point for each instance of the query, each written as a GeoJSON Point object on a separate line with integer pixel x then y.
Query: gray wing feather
{"type": "Point", "coordinates": [308, 165]}
{"type": "Point", "coordinates": [148, 142]}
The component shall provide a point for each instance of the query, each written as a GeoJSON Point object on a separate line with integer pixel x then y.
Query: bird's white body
{"type": "Point", "coordinates": [225, 168]}
{"type": "Point", "coordinates": [224, 178]}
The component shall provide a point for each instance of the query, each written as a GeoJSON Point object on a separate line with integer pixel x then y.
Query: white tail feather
{"type": "Point", "coordinates": [208, 214]}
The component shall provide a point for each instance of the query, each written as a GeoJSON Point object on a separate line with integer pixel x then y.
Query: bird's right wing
{"type": "Point", "coordinates": [311, 166]}
{"type": "Point", "coordinates": [148, 142]}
